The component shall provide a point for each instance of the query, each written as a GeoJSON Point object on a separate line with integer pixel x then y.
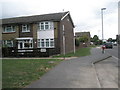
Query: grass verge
{"type": "Point", "coordinates": [21, 72]}
{"type": "Point", "coordinates": [80, 52]}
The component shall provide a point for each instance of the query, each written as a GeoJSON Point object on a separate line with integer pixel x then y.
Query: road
{"type": "Point", "coordinates": [113, 52]}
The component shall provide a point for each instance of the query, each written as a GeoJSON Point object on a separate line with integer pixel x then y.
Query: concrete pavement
{"type": "Point", "coordinates": [107, 72]}
{"type": "Point", "coordinates": [73, 73]}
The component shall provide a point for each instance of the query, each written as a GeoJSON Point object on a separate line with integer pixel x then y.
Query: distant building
{"type": "Point", "coordinates": [84, 34]}
{"type": "Point", "coordinates": [39, 35]}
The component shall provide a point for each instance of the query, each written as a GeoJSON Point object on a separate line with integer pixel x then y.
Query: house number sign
{"type": "Point", "coordinates": [43, 50]}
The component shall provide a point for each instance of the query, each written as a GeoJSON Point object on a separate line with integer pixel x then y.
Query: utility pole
{"type": "Point", "coordinates": [102, 22]}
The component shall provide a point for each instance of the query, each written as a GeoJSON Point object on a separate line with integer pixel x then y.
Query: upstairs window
{"type": "Point", "coordinates": [25, 28]}
{"type": "Point", "coordinates": [7, 29]}
{"type": "Point", "coordinates": [46, 25]}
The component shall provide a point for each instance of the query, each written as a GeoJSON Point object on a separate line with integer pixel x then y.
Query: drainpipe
{"type": "Point", "coordinates": [74, 43]}
{"type": "Point", "coordinates": [63, 41]}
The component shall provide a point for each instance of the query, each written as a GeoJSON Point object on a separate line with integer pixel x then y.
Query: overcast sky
{"type": "Point", "coordinates": [86, 14]}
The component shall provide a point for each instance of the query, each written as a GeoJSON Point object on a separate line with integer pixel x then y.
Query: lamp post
{"type": "Point", "coordinates": [102, 22]}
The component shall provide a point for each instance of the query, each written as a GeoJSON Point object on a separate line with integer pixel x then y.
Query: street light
{"type": "Point", "coordinates": [102, 22]}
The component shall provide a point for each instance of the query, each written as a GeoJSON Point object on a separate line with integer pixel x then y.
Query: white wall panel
{"type": "Point", "coordinates": [45, 34]}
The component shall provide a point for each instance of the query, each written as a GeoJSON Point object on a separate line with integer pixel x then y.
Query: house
{"type": "Point", "coordinates": [84, 35]}
{"type": "Point", "coordinates": [39, 35]}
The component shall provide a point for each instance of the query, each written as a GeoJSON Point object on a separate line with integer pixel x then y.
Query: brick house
{"type": "Point", "coordinates": [39, 35]}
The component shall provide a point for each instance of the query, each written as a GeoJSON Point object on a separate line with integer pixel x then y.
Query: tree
{"type": "Point", "coordinates": [110, 40]}
{"type": "Point", "coordinates": [95, 39]}
{"type": "Point", "coordinates": [83, 39]}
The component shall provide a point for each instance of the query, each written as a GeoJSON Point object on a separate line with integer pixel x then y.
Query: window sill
{"type": "Point", "coordinates": [25, 31]}
{"type": "Point", "coordinates": [46, 30]}
{"type": "Point", "coordinates": [46, 47]}
{"type": "Point", "coordinates": [8, 32]}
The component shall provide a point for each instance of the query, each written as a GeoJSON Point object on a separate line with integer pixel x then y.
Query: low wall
{"type": "Point", "coordinates": [34, 52]}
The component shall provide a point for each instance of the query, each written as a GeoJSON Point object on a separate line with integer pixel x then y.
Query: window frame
{"type": "Point", "coordinates": [5, 29]}
{"type": "Point", "coordinates": [52, 43]}
{"type": "Point", "coordinates": [46, 25]}
{"type": "Point", "coordinates": [29, 42]}
{"type": "Point", "coordinates": [25, 28]}
{"type": "Point", "coordinates": [5, 42]}
{"type": "Point", "coordinates": [46, 43]}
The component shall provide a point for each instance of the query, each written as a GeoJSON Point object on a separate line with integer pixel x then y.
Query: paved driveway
{"type": "Point", "coordinates": [74, 73]}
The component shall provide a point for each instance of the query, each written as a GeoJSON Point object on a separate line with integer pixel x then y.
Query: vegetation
{"type": "Point", "coordinates": [82, 39]}
{"type": "Point", "coordinates": [77, 42]}
{"type": "Point", "coordinates": [21, 72]}
{"type": "Point", "coordinates": [96, 40]}
{"type": "Point", "coordinates": [80, 52]}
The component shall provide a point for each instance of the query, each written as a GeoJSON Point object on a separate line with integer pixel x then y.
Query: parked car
{"type": "Point", "coordinates": [109, 45]}
{"type": "Point", "coordinates": [115, 43]}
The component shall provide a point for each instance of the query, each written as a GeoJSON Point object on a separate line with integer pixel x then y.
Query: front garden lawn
{"type": "Point", "coordinates": [80, 52]}
{"type": "Point", "coordinates": [21, 72]}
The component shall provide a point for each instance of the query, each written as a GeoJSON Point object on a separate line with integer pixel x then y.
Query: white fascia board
{"type": "Point", "coordinates": [64, 16]}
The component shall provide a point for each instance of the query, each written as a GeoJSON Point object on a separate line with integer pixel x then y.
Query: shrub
{"type": "Point", "coordinates": [77, 42]}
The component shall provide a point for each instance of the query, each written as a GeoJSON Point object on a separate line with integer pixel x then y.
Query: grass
{"type": "Point", "coordinates": [80, 52]}
{"type": "Point", "coordinates": [19, 73]}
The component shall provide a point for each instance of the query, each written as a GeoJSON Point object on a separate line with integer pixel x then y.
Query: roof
{"type": "Point", "coordinates": [35, 18]}
{"type": "Point", "coordinates": [80, 34]}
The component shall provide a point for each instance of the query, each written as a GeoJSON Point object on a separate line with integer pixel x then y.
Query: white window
{"type": "Point", "coordinates": [46, 25]}
{"type": "Point", "coordinates": [8, 29]}
{"type": "Point", "coordinates": [25, 44]}
{"type": "Point", "coordinates": [7, 43]}
{"type": "Point", "coordinates": [25, 28]}
{"type": "Point", "coordinates": [39, 43]}
{"type": "Point", "coordinates": [42, 43]}
{"type": "Point", "coordinates": [28, 43]}
{"type": "Point", "coordinates": [51, 42]}
{"type": "Point", "coordinates": [45, 43]}
{"type": "Point", "coordinates": [42, 26]}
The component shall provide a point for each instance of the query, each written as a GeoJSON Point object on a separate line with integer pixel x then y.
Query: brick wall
{"type": "Point", "coordinates": [12, 35]}
{"type": "Point", "coordinates": [69, 35]}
